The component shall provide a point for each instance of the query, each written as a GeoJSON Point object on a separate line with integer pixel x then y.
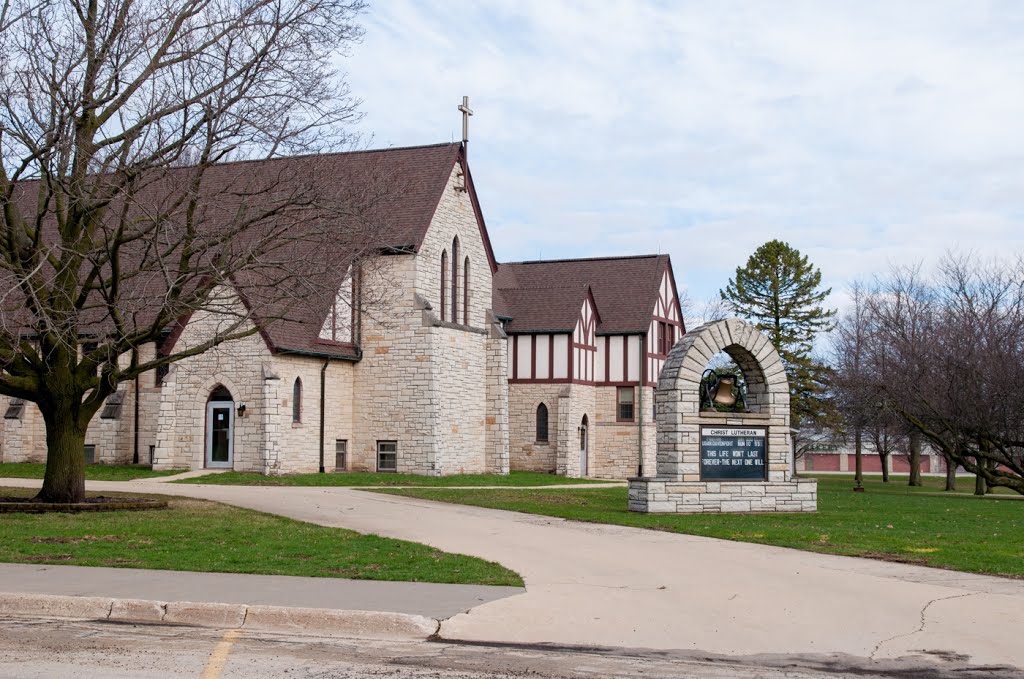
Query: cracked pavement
{"type": "Point", "coordinates": [618, 587]}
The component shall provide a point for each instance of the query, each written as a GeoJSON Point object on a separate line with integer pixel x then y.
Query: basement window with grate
{"type": "Point", "coordinates": [387, 456]}
{"type": "Point", "coordinates": [112, 408]}
{"type": "Point", "coordinates": [15, 409]}
{"type": "Point", "coordinates": [341, 455]}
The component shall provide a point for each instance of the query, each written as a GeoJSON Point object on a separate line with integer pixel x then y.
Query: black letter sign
{"type": "Point", "coordinates": [733, 453]}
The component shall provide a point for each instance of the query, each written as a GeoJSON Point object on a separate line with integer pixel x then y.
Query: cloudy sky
{"type": "Point", "coordinates": [863, 133]}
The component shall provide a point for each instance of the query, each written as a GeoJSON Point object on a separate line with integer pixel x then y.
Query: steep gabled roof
{"type": "Point", "coordinates": [546, 295]}
{"type": "Point", "coordinates": [392, 192]}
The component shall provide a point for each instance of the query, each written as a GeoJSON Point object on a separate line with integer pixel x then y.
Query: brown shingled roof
{"type": "Point", "coordinates": [399, 188]}
{"type": "Point", "coordinates": [547, 295]}
{"type": "Point", "coordinates": [417, 177]}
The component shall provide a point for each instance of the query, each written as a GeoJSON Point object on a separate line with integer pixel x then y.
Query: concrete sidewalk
{"type": "Point", "coordinates": [433, 600]}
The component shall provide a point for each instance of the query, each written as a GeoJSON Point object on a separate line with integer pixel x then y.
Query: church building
{"type": "Point", "coordinates": [472, 366]}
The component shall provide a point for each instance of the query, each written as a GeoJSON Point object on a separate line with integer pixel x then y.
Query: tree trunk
{"type": "Point", "coordinates": [980, 487]}
{"type": "Point", "coordinates": [857, 447]}
{"type": "Point", "coordinates": [950, 473]}
{"type": "Point", "coordinates": [64, 480]}
{"type": "Point", "coordinates": [884, 457]}
{"type": "Point", "coordinates": [915, 458]}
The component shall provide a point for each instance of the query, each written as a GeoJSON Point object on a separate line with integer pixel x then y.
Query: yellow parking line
{"type": "Point", "coordinates": [219, 657]}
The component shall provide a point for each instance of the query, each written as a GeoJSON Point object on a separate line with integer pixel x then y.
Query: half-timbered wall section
{"type": "Point", "coordinates": [665, 330]}
{"type": "Point", "coordinates": [584, 342]}
{"type": "Point", "coordinates": [618, 359]}
{"type": "Point", "coordinates": [543, 357]}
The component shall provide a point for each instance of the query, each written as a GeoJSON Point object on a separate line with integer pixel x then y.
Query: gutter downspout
{"type": "Point", "coordinates": [640, 405]}
{"type": "Point", "coordinates": [323, 415]}
{"type": "Point", "coordinates": [135, 451]}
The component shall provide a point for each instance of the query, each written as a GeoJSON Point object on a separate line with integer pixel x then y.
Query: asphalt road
{"type": "Point", "coordinates": [38, 648]}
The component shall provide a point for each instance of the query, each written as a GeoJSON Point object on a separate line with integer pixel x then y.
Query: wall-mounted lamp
{"type": "Point", "coordinates": [241, 410]}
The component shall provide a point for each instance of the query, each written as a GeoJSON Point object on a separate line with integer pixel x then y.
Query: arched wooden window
{"type": "Point", "coordinates": [455, 280]}
{"type": "Point", "coordinates": [465, 291]}
{"type": "Point", "coordinates": [542, 423]}
{"type": "Point", "coordinates": [297, 400]}
{"type": "Point", "coordinates": [444, 281]}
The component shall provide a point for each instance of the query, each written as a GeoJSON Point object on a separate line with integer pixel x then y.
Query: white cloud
{"type": "Point", "coordinates": [863, 133]}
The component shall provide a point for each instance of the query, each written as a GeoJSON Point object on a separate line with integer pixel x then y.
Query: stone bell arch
{"type": "Point", "coordinates": [710, 461]}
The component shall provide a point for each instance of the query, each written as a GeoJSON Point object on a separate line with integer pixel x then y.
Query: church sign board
{"type": "Point", "coordinates": [733, 453]}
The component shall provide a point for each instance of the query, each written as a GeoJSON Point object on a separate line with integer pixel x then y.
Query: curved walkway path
{"type": "Point", "coordinates": [591, 584]}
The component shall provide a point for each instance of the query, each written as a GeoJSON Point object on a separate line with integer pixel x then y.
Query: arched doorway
{"type": "Point", "coordinates": [584, 446]}
{"type": "Point", "coordinates": [220, 429]}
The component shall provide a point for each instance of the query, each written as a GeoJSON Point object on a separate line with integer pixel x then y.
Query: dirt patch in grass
{"type": "Point", "coordinates": [76, 540]}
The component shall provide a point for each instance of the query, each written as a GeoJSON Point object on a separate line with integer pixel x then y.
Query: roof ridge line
{"type": "Point", "coordinates": [329, 154]}
{"type": "Point", "coordinates": [301, 156]}
{"type": "Point", "coordinates": [581, 259]}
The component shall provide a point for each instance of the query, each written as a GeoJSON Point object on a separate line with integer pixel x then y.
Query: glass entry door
{"type": "Point", "coordinates": [220, 433]}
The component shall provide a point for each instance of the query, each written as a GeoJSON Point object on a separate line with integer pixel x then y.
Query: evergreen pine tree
{"type": "Point", "coordinates": [779, 291]}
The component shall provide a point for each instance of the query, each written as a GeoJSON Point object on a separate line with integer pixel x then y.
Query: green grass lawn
{"type": "Point", "coordinates": [929, 484]}
{"type": "Point", "coordinates": [195, 535]}
{"type": "Point", "coordinates": [889, 521]}
{"type": "Point", "coordinates": [371, 479]}
{"type": "Point", "coordinates": [93, 472]}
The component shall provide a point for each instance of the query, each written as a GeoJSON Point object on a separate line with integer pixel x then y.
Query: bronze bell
{"type": "Point", "coordinates": [725, 395]}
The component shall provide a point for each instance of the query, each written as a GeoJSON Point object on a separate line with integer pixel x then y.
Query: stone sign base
{"type": "Point", "coordinates": [666, 496]}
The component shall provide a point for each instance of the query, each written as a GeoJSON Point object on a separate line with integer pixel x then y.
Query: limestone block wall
{"type": "Point", "coordinates": [460, 387]}
{"type": "Point", "coordinates": [394, 380]}
{"type": "Point", "coordinates": [423, 384]}
{"type": "Point", "coordinates": [526, 453]}
{"type": "Point", "coordinates": [296, 447]}
{"type": "Point", "coordinates": [455, 217]}
{"type": "Point", "coordinates": [24, 439]}
{"type": "Point", "coordinates": [665, 496]}
{"type": "Point", "coordinates": [575, 401]}
{"type": "Point", "coordinates": [429, 383]}
{"type": "Point", "coordinates": [238, 366]}
{"type": "Point", "coordinates": [496, 412]}
{"type": "Point", "coordinates": [617, 450]}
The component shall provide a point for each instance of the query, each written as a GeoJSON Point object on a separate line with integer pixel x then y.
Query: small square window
{"type": "Point", "coordinates": [625, 404]}
{"type": "Point", "coordinates": [340, 455]}
{"type": "Point", "coordinates": [90, 453]}
{"type": "Point", "coordinates": [387, 456]}
{"type": "Point", "coordinates": [15, 409]}
{"type": "Point", "coordinates": [112, 408]}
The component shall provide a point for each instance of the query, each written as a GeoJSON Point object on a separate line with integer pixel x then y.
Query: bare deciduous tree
{"type": "Point", "coordinates": [119, 216]}
{"type": "Point", "coordinates": [953, 347]}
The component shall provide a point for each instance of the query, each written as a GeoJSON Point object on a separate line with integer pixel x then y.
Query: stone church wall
{"type": "Point", "coordinates": [575, 402]}
{"type": "Point", "coordinates": [525, 452]}
{"type": "Point", "coordinates": [24, 439]}
{"type": "Point", "coordinates": [496, 413]}
{"type": "Point", "coordinates": [294, 447]}
{"type": "Point", "coordinates": [238, 366]}
{"type": "Point", "coordinates": [617, 444]}
{"type": "Point", "coordinates": [394, 382]}
{"type": "Point", "coordinates": [423, 380]}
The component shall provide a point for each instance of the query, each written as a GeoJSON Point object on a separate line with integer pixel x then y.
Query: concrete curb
{"type": "Point", "coordinates": [309, 621]}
